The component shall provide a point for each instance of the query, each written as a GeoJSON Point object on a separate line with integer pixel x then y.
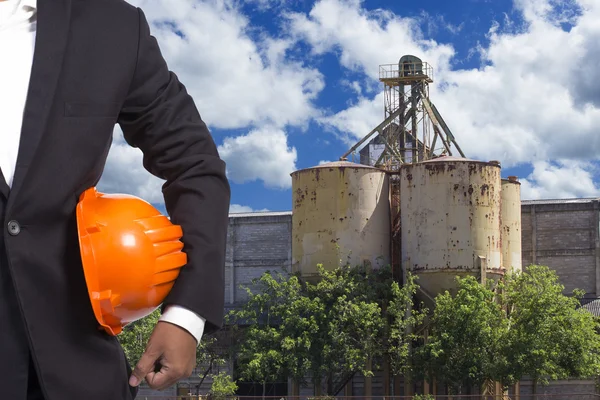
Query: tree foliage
{"type": "Point", "coordinates": [279, 326]}
{"type": "Point", "coordinates": [403, 318]}
{"type": "Point", "coordinates": [466, 332]}
{"type": "Point", "coordinates": [134, 336]}
{"type": "Point", "coordinates": [328, 329]}
{"type": "Point", "coordinates": [550, 336]}
{"type": "Point", "coordinates": [222, 386]}
{"type": "Point", "coordinates": [350, 324]}
{"type": "Point", "coordinates": [522, 327]}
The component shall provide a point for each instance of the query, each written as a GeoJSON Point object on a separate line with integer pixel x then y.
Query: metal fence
{"type": "Point", "coordinates": [541, 396]}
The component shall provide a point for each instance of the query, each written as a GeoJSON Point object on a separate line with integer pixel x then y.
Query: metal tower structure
{"type": "Point", "coordinates": [412, 130]}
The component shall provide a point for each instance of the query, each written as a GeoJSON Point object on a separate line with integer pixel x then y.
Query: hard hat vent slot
{"type": "Point", "coordinates": [166, 248]}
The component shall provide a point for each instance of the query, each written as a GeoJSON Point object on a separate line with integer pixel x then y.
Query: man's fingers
{"type": "Point", "coordinates": [169, 356]}
{"type": "Point", "coordinates": [162, 379]}
{"type": "Point", "coordinates": [143, 367]}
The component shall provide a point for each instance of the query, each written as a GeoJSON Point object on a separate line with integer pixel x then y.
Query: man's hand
{"type": "Point", "coordinates": [170, 356]}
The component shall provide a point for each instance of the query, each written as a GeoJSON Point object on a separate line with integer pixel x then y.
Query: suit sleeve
{"type": "Point", "coordinates": [160, 118]}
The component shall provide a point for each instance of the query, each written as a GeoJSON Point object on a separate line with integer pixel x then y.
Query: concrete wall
{"type": "Point", "coordinates": [256, 243]}
{"type": "Point", "coordinates": [563, 235]}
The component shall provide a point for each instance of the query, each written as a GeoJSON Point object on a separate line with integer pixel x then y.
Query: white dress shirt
{"type": "Point", "coordinates": [17, 39]}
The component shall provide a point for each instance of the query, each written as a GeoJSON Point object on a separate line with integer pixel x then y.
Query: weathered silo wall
{"type": "Point", "coordinates": [341, 214]}
{"type": "Point", "coordinates": [450, 217]}
{"type": "Point", "coordinates": [511, 224]}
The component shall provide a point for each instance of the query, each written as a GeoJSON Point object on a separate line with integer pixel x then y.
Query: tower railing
{"type": "Point", "coordinates": [394, 74]}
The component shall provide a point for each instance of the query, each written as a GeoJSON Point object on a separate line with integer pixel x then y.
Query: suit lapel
{"type": "Point", "coordinates": [4, 189]}
{"type": "Point", "coordinates": [53, 17]}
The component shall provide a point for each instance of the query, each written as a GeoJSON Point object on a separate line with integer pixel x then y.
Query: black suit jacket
{"type": "Point", "coordinates": [96, 65]}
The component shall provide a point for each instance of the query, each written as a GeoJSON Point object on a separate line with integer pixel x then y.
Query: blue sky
{"type": "Point", "coordinates": [285, 85]}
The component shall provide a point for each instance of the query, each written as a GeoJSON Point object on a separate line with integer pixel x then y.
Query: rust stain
{"type": "Point", "coordinates": [484, 188]}
{"type": "Point", "coordinates": [436, 168]}
{"type": "Point", "coordinates": [299, 197]}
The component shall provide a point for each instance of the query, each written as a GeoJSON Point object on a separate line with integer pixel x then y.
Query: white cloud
{"type": "Point", "coordinates": [263, 154]}
{"type": "Point", "coordinates": [364, 39]}
{"type": "Point", "coordinates": [536, 96]}
{"type": "Point", "coordinates": [124, 172]}
{"type": "Point", "coordinates": [526, 104]}
{"type": "Point", "coordinates": [247, 159]}
{"type": "Point", "coordinates": [357, 120]}
{"type": "Point", "coordinates": [560, 180]}
{"type": "Point", "coordinates": [239, 78]}
{"type": "Point", "coordinates": [237, 208]}
{"type": "Point", "coordinates": [235, 80]}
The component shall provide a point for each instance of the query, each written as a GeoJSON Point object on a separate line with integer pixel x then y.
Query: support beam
{"type": "Point", "coordinates": [596, 229]}
{"type": "Point", "coordinates": [377, 129]}
{"type": "Point", "coordinates": [232, 261]}
{"type": "Point", "coordinates": [533, 235]}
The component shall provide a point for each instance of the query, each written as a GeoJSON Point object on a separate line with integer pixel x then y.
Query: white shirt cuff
{"type": "Point", "coordinates": [188, 320]}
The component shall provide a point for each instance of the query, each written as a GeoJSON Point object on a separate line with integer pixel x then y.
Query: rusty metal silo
{"type": "Point", "coordinates": [341, 214]}
{"type": "Point", "coordinates": [450, 217]}
{"type": "Point", "coordinates": [511, 224]}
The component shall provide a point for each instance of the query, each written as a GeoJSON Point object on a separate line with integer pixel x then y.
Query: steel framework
{"type": "Point", "coordinates": [412, 130]}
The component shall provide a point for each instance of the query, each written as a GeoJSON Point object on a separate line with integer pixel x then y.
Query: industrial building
{"type": "Point", "coordinates": [562, 234]}
{"type": "Point", "coordinates": [414, 201]}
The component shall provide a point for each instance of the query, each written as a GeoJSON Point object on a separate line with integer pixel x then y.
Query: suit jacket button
{"type": "Point", "coordinates": [14, 228]}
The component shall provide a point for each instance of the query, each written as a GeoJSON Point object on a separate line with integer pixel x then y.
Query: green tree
{"type": "Point", "coordinates": [134, 336]}
{"type": "Point", "coordinates": [550, 336]}
{"type": "Point", "coordinates": [349, 326]}
{"type": "Point", "coordinates": [278, 323]}
{"type": "Point", "coordinates": [209, 354]}
{"type": "Point", "coordinates": [404, 318]}
{"type": "Point", "coordinates": [466, 332]}
{"type": "Point", "coordinates": [325, 330]}
{"type": "Point", "coordinates": [222, 386]}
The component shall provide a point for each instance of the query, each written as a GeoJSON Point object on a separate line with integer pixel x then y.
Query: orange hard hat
{"type": "Point", "coordinates": [131, 256]}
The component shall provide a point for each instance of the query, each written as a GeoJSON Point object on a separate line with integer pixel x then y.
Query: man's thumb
{"type": "Point", "coordinates": [143, 368]}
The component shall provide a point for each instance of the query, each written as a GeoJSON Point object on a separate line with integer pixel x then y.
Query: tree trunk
{"type": "Point", "coordinates": [203, 378]}
{"type": "Point", "coordinates": [386, 376]}
{"type": "Point", "coordinates": [295, 388]}
{"type": "Point", "coordinates": [534, 389]}
{"type": "Point", "coordinates": [408, 379]}
{"type": "Point", "coordinates": [264, 389]}
{"type": "Point", "coordinates": [368, 380]}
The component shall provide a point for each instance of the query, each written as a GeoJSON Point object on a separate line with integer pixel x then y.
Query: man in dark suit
{"type": "Point", "coordinates": [70, 71]}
